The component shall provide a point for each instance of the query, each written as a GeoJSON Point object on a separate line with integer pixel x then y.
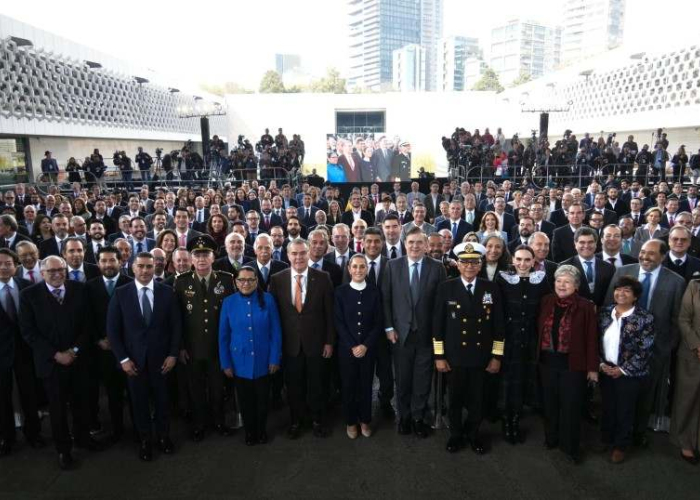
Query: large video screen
{"type": "Point", "coordinates": [367, 158]}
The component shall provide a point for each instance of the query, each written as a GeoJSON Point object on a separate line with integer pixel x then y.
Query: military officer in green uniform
{"type": "Point", "coordinates": [467, 342]}
{"type": "Point", "coordinates": [201, 293]}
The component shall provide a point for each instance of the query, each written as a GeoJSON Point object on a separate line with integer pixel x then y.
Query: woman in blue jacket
{"type": "Point", "coordinates": [358, 322]}
{"type": "Point", "coordinates": [250, 347]}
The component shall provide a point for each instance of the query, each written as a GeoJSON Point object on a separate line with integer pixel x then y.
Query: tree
{"type": "Point", "coordinates": [330, 84]}
{"type": "Point", "coordinates": [225, 88]}
{"type": "Point", "coordinates": [523, 77]}
{"type": "Point", "coordinates": [488, 81]}
{"type": "Point", "coordinates": [271, 83]}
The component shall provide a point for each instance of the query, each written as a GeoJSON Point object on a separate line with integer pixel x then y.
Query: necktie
{"type": "Point", "coordinates": [203, 284]}
{"type": "Point", "coordinates": [146, 306]}
{"type": "Point", "coordinates": [341, 261]}
{"type": "Point", "coordinates": [75, 275]}
{"type": "Point", "coordinates": [636, 219]}
{"type": "Point", "coordinates": [201, 216]}
{"type": "Point", "coordinates": [276, 255]}
{"type": "Point", "coordinates": [9, 303]}
{"type": "Point", "coordinates": [470, 218]}
{"type": "Point", "coordinates": [358, 247]}
{"type": "Point", "coordinates": [612, 260]}
{"type": "Point", "coordinates": [316, 265]}
{"type": "Point", "coordinates": [267, 221]}
{"type": "Point", "coordinates": [454, 231]}
{"type": "Point", "coordinates": [110, 287]}
{"type": "Point", "coordinates": [626, 247]}
{"type": "Point", "coordinates": [589, 272]}
{"type": "Point", "coordinates": [31, 276]}
{"type": "Point", "coordinates": [469, 290]}
{"type": "Point", "coordinates": [415, 283]}
{"type": "Point", "coordinates": [670, 220]}
{"type": "Point", "coordinates": [57, 293]}
{"type": "Point", "coordinates": [393, 253]}
{"type": "Point", "coordinates": [372, 275]}
{"type": "Point", "coordinates": [60, 246]}
{"type": "Point", "coordinates": [182, 240]}
{"type": "Point", "coordinates": [678, 262]}
{"type": "Point", "coordinates": [646, 289]}
{"type": "Point", "coordinates": [265, 273]}
{"type": "Point", "coordinates": [401, 218]}
{"type": "Point", "coordinates": [298, 303]}
{"type": "Point", "coordinates": [139, 247]}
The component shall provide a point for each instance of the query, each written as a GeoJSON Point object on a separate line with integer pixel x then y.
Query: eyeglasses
{"type": "Point", "coordinates": [55, 271]}
{"type": "Point", "coordinates": [246, 281]}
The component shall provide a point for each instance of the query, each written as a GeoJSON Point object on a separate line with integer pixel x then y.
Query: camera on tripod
{"type": "Point", "coordinates": [159, 153]}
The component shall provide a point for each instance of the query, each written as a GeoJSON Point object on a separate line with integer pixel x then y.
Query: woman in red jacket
{"type": "Point", "coordinates": [568, 341]}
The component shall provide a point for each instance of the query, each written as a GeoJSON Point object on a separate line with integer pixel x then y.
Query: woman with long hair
{"type": "Point", "coordinates": [167, 241]}
{"type": "Point", "coordinates": [42, 229]}
{"type": "Point", "coordinates": [497, 257]}
{"type": "Point", "coordinates": [490, 225]}
{"type": "Point", "coordinates": [217, 228]}
{"type": "Point", "coordinates": [334, 214]}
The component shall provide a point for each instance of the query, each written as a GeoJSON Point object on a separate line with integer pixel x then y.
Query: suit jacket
{"type": "Point", "coordinates": [351, 175]}
{"type": "Point", "coordinates": [309, 220]}
{"type": "Point", "coordinates": [432, 210]}
{"type": "Point", "coordinates": [665, 219]}
{"type": "Point", "coordinates": [664, 305]}
{"type": "Point", "coordinates": [640, 220]}
{"type": "Point", "coordinates": [130, 336]}
{"type": "Point", "coordinates": [688, 323]}
{"type": "Point", "coordinates": [10, 335]}
{"type": "Point", "coordinates": [558, 218]}
{"type": "Point", "coordinates": [604, 272]}
{"type": "Point", "coordinates": [48, 247]}
{"type": "Point", "coordinates": [90, 270]}
{"type": "Point", "coordinates": [347, 218]}
{"type": "Point", "coordinates": [398, 307]}
{"type": "Point", "coordinates": [385, 249]}
{"type": "Point", "coordinates": [49, 327]}
{"type": "Point", "coordinates": [149, 243]}
{"type": "Point", "coordinates": [508, 222]}
{"type": "Point", "coordinates": [626, 259]}
{"type": "Point", "coordinates": [109, 223]}
{"type": "Point", "coordinates": [381, 215]}
{"type": "Point", "coordinates": [329, 265]}
{"type": "Point", "coordinates": [689, 270]}
{"type": "Point", "coordinates": [428, 229]}
{"type": "Point", "coordinates": [224, 264]}
{"type": "Point", "coordinates": [275, 220]}
{"type": "Point", "coordinates": [462, 229]}
{"type": "Point", "coordinates": [609, 217]}
{"type": "Point", "coordinates": [192, 234]}
{"type": "Point", "coordinates": [642, 234]}
{"type": "Point", "coordinates": [382, 163]}
{"type": "Point", "coordinates": [636, 340]}
{"type": "Point", "coordinates": [18, 237]}
{"type": "Point", "coordinates": [563, 244]}
{"type": "Point", "coordinates": [276, 266]}
{"type": "Point", "coordinates": [620, 209]}
{"type": "Point", "coordinates": [98, 301]}
{"type": "Point", "coordinates": [358, 318]}
{"type": "Point", "coordinates": [305, 332]}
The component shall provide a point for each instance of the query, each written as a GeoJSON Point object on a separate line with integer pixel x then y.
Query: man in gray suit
{"type": "Point", "coordinates": [409, 288]}
{"type": "Point", "coordinates": [662, 291]}
{"type": "Point", "coordinates": [419, 214]}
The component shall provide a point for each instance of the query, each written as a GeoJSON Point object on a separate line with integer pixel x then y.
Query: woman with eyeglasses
{"type": "Point", "coordinates": [250, 348]}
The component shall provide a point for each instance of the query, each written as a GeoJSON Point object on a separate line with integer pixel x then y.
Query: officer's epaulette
{"type": "Point", "coordinates": [183, 275]}
{"type": "Point", "coordinates": [222, 273]}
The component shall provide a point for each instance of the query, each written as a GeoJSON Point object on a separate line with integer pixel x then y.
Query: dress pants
{"type": "Point", "coordinates": [357, 375]}
{"type": "Point", "coordinates": [114, 380]}
{"type": "Point", "coordinates": [252, 398]}
{"type": "Point", "coordinates": [413, 368]}
{"type": "Point", "coordinates": [384, 370]}
{"type": "Point", "coordinates": [150, 380]}
{"type": "Point", "coordinates": [619, 406]}
{"type": "Point", "coordinates": [466, 388]}
{"type": "Point", "coordinates": [305, 377]}
{"type": "Point", "coordinates": [67, 386]}
{"type": "Point", "coordinates": [563, 393]}
{"type": "Point", "coordinates": [27, 385]}
{"type": "Point", "coordinates": [653, 396]}
{"type": "Point", "coordinates": [207, 389]}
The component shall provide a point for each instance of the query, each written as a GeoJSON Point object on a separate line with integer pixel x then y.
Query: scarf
{"type": "Point", "coordinates": [569, 306]}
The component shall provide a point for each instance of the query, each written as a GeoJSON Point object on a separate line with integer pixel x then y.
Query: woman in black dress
{"type": "Point", "coordinates": [521, 291]}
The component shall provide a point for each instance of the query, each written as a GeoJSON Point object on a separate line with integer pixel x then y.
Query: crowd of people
{"type": "Point", "coordinates": [569, 159]}
{"type": "Point", "coordinates": [364, 158]}
{"type": "Point", "coordinates": [526, 301]}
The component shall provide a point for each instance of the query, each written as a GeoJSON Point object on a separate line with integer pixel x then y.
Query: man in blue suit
{"type": "Point", "coordinates": [144, 330]}
{"type": "Point", "coordinates": [456, 224]}
{"type": "Point", "coordinates": [139, 241]}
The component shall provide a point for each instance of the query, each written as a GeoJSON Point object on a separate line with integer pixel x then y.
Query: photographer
{"type": "Point", "coordinates": [123, 162]}
{"type": "Point", "coordinates": [144, 161]}
{"type": "Point", "coordinates": [73, 168]}
{"type": "Point", "coordinates": [644, 160]}
{"type": "Point", "coordinates": [96, 167]}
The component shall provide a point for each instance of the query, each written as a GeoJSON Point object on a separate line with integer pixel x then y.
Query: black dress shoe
{"type": "Point", "coordinates": [641, 440]}
{"type": "Point", "coordinates": [197, 435]}
{"type": "Point", "coordinates": [573, 458]}
{"type": "Point", "coordinates": [454, 444]}
{"type": "Point", "coordinates": [146, 451]}
{"type": "Point", "coordinates": [262, 437]}
{"type": "Point", "coordinates": [5, 447]}
{"type": "Point", "coordinates": [294, 431]}
{"type": "Point", "coordinates": [420, 429]}
{"type": "Point", "coordinates": [224, 430]}
{"type": "Point", "coordinates": [477, 446]}
{"type": "Point", "coordinates": [250, 439]}
{"type": "Point", "coordinates": [90, 444]}
{"type": "Point", "coordinates": [166, 445]}
{"type": "Point", "coordinates": [590, 417]}
{"type": "Point", "coordinates": [551, 445]}
{"type": "Point", "coordinates": [388, 411]}
{"type": "Point", "coordinates": [65, 461]}
{"type": "Point", "coordinates": [36, 442]}
{"type": "Point", "coordinates": [691, 460]}
{"type": "Point", "coordinates": [405, 427]}
{"type": "Point", "coordinates": [320, 430]}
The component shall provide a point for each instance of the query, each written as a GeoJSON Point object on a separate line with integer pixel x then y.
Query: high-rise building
{"type": "Point", "coordinates": [524, 47]}
{"type": "Point", "coordinates": [591, 27]}
{"type": "Point", "coordinates": [409, 68]}
{"type": "Point", "coordinates": [287, 62]}
{"type": "Point", "coordinates": [453, 52]}
{"type": "Point", "coordinates": [474, 68]}
{"type": "Point", "coordinates": [379, 27]}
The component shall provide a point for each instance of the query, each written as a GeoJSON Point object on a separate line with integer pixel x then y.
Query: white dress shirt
{"type": "Point", "coordinates": [304, 281]}
{"type": "Point", "coordinates": [139, 289]}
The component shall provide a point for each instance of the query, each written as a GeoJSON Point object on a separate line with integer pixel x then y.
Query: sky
{"type": "Point", "coordinates": [217, 41]}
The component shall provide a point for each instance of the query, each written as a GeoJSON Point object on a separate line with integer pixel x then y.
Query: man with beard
{"type": "Point", "coordinates": [159, 222]}
{"type": "Point", "coordinates": [435, 250]}
{"type": "Point", "coordinates": [103, 367]}
{"type": "Point", "coordinates": [526, 227]}
{"type": "Point", "coordinates": [95, 241]}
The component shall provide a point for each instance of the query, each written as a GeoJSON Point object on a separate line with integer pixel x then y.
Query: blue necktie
{"type": "Point", "coordinates": [75, 275]}
{"type": "Point", "coordinates": [646, 289]}
{"type": "Point", "coordinates": [454, 231]}
{"type": "Point", "coordinates": [415, 283]}
{"type": "Point", "coordinates": [316, 265]}
{"type": "Point", "coordinates": [139, 247]}
{"type": "Point", "coordinates": [110, 287]}
{"type": "Point", "coordinates": [276, 255]}
{"type": "Point", "coordinates": [146, 306]}
{"type": "Point", "coordinates": [589, 271]}
{"type": "Point", "coordinates": [265, 273]}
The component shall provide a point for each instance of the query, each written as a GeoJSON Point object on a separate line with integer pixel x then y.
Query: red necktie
{"type": "Point", "coordinates": [31, 276]}
{"type": "Point", "coordinates": [358, 247]}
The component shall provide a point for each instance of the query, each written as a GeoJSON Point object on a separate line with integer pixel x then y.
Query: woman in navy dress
{"type": "Point", "coordinates": [358, 322]}
{"type": "Point", "coordinates": [250, 347]}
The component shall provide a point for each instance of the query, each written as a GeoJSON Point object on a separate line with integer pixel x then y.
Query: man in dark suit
{"type": "Point", "coordinates": [100, 214]}
{"type": "Point", "coordinates": [53, 246]}
{"type": "Point", "coordinates": [74, 255]}
{"type": "Point", "coordinates": [636, 212]}
{"type": "Point", "coordinates": [318, 248]}
{"type": "Point", "coordinates": [139, 241]}
{"type": "Point", "coordinates": [182, 228]}
{"type": "Point", "coordinates": [595, 273]}
{"type": "Point", "coordinates": [609, 217]}
{"type": "Point", "coordinates": [55, 322]}
{"type": "Point", "coordinates": [235, 258]}
{"type": "Point", "coordinates": [144, 328]}
{"type": "Point", "coordinates": [617, 205]}
{"type": "Point", "coordinates": [458, 226]}
{"type": "Point", "coordinates": [104, 368]}
{"type": "Point", "coordinates": [381, 160]}
{"type": "Point", "coordinates": [265, 265]}
{"type": "Point", "coordinates": [305, 300]}
{"type": "Point", "coordinates": [307, 212]}
{"type": "Point", "coordinates": [9, 237]}
{"type": "Point", "coordinates": [537, 213]}
{"type": "Point", "coordinates": [356, 211]}
{"type": "Point", "coordinates": [525, 227]}
{"type": "Point", "coordinates": [393, 246]}
{"type": "Point", "coordinates": [612, 247]}
{"type": "Point", "coordinates": [563, 237]}
{"type": "Point", "coordinates": [15, 361]}
{"type": "Point", "coordinates": [506, 219]}
{"type": "Point", "coordinates": [678, 259]}
{"type": "Point", "coordinates": [124, 230]}
{"type": "Point", "coordinates": [539, 242]}
{"type": "Point", "coordinates": [662, 291]}
{"type": "Point", "coordinates": [409, 288]}
{"type": "Point", "coordinates": [668, 219]}
{"type": "Point", "coordinates": [279, 244]}
{"type": "Point", "coordinates": [432, 202]}
{"type": "Point", "coordinates": [268, 219]}
{"type": "Point", "coordinates": [95, 240]}
{"type": "Point", "coordinates": [558, 217]}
